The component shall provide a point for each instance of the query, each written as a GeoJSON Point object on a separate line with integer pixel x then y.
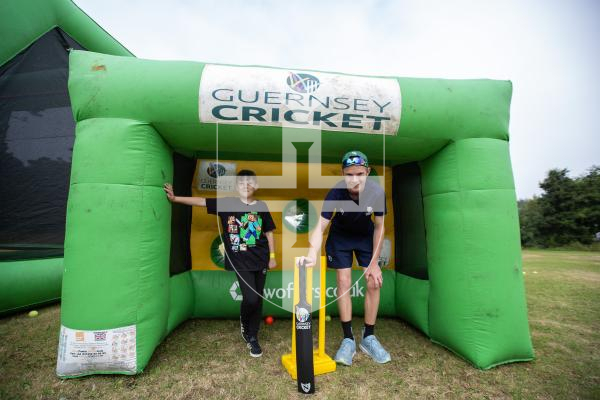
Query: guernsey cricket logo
{"type": "Point", "coordinates": [215, 170]}
{"type": "Point", "coordinates": [303, 83]}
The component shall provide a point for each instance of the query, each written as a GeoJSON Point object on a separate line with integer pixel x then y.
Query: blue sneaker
{"type": "Point", "coordinates": [371, 347]}
{"type": "Point", "coordinates": [346, 352]}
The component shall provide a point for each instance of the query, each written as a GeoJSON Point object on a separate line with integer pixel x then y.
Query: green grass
{"type": "Point", "coordinates": [205, 358]}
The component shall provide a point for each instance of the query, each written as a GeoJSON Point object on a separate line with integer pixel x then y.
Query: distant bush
{"type": "Point", "coordinates": [575, 246]}
{"type": "Point", "coordinates": [566, 215]}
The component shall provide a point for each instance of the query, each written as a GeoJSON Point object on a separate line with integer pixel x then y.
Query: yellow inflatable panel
{"type": "Point", "coordinates": [206, 247]}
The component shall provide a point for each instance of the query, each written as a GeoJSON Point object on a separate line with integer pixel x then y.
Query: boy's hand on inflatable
{"type": "Point", "coordinates": [272, 263]}
{"type": "Point", "coordinates": [169, 191]}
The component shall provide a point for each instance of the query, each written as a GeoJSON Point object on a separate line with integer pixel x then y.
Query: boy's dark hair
{"type": "Point", "coordinates": [246, 172]}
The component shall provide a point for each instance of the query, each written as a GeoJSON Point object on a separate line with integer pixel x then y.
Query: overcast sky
{"type": "Point", "coordinates": [546, 48]}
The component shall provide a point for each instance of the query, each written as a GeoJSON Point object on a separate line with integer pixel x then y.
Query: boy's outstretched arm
{"type": "Point", "coordinates": [190, 201]}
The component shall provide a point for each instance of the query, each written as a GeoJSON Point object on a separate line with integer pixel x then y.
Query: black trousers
{"type": "Point", "coordinates": [252, 284]}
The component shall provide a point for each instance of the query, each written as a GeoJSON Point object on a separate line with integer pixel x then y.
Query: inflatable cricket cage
{"type": "Point", "coordinates": [137, 266]}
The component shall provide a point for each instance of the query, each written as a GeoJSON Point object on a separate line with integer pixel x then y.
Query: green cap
{"type": "Point", "coordinates": [355, 158]}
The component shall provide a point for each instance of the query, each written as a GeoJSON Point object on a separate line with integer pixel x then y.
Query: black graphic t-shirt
{"type": "Point", "coordinates": [351, 217]}
{"type": "Point", "coordinates": [243, 235]}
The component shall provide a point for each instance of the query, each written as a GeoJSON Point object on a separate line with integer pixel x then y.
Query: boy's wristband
{"type": "Point", "coordinates": [271, 255]}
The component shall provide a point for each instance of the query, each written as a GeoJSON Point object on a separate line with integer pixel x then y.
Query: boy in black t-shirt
{"type": "Point", "coordinates": [247, 235]}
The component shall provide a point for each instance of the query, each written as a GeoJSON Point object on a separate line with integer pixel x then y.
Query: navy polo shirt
{"type": "Point", "coordinates": [350, 216]}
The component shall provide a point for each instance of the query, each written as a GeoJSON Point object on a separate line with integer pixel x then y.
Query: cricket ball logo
{"type": "Point", "coordinates": [303, 83]}
{"type": "Point", "coordinates": [215, 170]}
{"type": "Point", "coordinates": [302, 314]}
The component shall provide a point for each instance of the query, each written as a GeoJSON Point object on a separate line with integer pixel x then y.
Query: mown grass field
{"type": "Point", "coordinates": [206, 359]}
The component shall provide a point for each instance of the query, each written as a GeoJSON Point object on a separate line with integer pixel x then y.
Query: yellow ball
{"type": "Point", "coordinates": [328, 318]}
{"type": "Point", "coordinates": [33, 314]}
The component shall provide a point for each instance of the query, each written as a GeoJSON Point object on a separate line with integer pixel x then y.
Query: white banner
{"type": "Point", "coordinates": [109, 350]}
{"type": "Point", "coordinates": [292, 98]}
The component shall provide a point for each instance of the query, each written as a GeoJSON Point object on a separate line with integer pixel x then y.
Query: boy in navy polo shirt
{"type": "Point", "coordinates": [350, 208]}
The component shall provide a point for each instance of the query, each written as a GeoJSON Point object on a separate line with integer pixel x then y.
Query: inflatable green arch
{"type": "Point", "coordinates": [127, 283]}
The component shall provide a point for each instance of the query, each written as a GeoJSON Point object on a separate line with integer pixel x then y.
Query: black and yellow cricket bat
{"type": "Point", "coordinates": [304, 344]}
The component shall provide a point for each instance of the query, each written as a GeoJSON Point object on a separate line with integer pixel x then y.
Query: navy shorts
{"type": "Point", "coordinates": [340, 248]}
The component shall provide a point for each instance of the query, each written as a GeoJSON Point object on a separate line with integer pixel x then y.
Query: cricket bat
{"type": "Point", "coordinates": [304, 344]}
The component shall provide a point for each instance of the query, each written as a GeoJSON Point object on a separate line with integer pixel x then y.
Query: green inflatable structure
{"type": "Point", "coordinates": [37, 132]}
{"type": "Point", "coordinates": [127, 281]}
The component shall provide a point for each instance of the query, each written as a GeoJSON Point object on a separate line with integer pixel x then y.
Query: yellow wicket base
{"type": "Point", "coordinates": [323, 364]}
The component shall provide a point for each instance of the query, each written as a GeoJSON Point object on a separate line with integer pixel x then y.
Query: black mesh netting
{"type": "Point", "coordinates": [36, 142]}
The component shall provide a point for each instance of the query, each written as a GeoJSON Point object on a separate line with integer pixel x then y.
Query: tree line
{"type": "Point", "coordinates": [566, 213]}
